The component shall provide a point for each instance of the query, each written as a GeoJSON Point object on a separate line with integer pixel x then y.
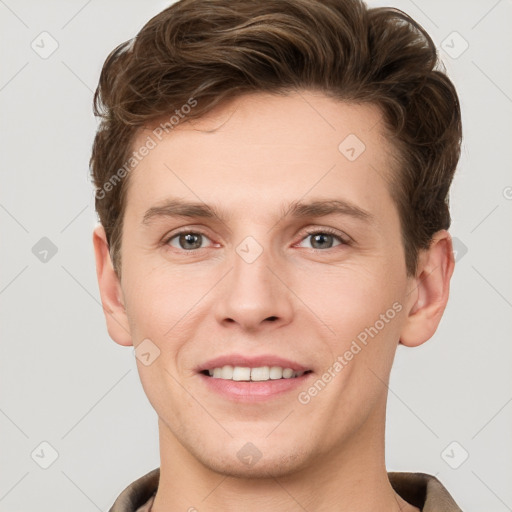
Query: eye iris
{"type": "Point", "coordinates": [321, 237]}
{"type": "Point", "coordinates": [188, 238]}
{"type": "Point", "coordinates": [193, 240]}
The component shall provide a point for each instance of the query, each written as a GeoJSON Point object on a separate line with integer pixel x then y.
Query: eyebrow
{"type": "Point", "coordinates": [295, 209]}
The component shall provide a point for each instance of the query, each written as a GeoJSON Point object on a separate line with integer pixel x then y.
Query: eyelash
{"type": "Point", "coordinates": [322, 231]}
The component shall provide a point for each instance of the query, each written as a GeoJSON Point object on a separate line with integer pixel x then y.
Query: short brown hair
{"type": "Point", "coordinates": [214, 50]}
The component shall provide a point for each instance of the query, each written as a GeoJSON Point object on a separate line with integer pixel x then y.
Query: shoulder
{"type": "Point", "coordinates": [138, 493]}
{"type": "Point", "coordinates": [423, 491]}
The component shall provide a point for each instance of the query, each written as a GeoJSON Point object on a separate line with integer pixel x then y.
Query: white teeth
{"type": "Point", "coordinates": [244, 373]}
{"type": "Point", "coordinates": [227, 372]}
{"type": "Point", "coordinates": [261, 373]}
{"type": "Point", "coordinates": [241, 373]}
{"type": "Point", "coordinates": [276, 372]}
{"type": "Point", "coordinates": [287, 373]}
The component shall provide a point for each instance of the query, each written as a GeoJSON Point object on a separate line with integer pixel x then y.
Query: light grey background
{"type": "Point", "coordinates": [64, 382]}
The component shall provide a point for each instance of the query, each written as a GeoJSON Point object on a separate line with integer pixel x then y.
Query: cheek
{"type": "Point", "coordinates": [363, 310]}
{"type": "Point", "coordinates": [157, 300]}
{"type": "Point", "coordinates": [349, 298]}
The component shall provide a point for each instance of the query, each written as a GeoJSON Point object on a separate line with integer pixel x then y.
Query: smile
{"type": "Point", "coordinates": [257, 374]}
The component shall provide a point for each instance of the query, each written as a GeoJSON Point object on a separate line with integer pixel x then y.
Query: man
{"type": "Point", "coordinates": [272, 183]}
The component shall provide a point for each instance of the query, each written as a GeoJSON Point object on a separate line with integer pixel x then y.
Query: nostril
{"type": "Point", "coordinates": [272, 318]}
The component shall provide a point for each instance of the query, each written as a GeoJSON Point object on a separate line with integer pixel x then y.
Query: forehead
{"type": "Point", "coordinates": [267, 147]}
{"type": "Point", "coordinates": [292, 118]}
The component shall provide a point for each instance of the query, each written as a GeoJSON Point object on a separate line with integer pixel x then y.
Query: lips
{"type": "Point", "coordinates": [262, 361]}
{"type": "Point", "coordinates": [253, 379]}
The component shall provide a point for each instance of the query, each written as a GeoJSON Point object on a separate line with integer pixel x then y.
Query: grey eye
{"type": "Point", "coordinates": [188, 240]}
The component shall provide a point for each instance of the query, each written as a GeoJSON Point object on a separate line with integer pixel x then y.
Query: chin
{"type": "Point", "coordinates": [269, 465]}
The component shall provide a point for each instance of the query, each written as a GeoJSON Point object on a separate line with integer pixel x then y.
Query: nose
{"type": "Point", "coordinates": [254, 296]}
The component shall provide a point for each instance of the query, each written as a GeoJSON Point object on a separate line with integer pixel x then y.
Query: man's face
{"type": "Point", "coordinates": [263, 285]}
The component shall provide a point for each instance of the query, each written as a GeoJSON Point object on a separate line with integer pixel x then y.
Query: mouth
{"type": "Point", "coordinates": [256, 374]}
{"type": "Point", "coordinates": [252, 379]}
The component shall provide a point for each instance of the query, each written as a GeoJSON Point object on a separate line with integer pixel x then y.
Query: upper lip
{"type": "Point", "coordinates": [251, 362]}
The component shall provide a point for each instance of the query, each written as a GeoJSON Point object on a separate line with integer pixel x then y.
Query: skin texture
{"type": "Point", "coordinates": [252, 157]}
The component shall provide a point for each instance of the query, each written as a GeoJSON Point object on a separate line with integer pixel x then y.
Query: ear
{"type": "Point", "coordinates": [429, 290]}
{"type": "Point", "coordinates": [110, 290]}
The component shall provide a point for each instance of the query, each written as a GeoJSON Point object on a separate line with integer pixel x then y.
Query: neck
{"type": "Point", "coordinates": [350, 478]}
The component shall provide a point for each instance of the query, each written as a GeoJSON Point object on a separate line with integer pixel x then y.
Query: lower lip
{"type": "Point", "coordinates": [244, 391]}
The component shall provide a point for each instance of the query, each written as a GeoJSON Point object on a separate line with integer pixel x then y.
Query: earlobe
{"type": "Point", "coordinates": [110, 290]}
{"type": "Point", "coordinates": [429, 291]}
